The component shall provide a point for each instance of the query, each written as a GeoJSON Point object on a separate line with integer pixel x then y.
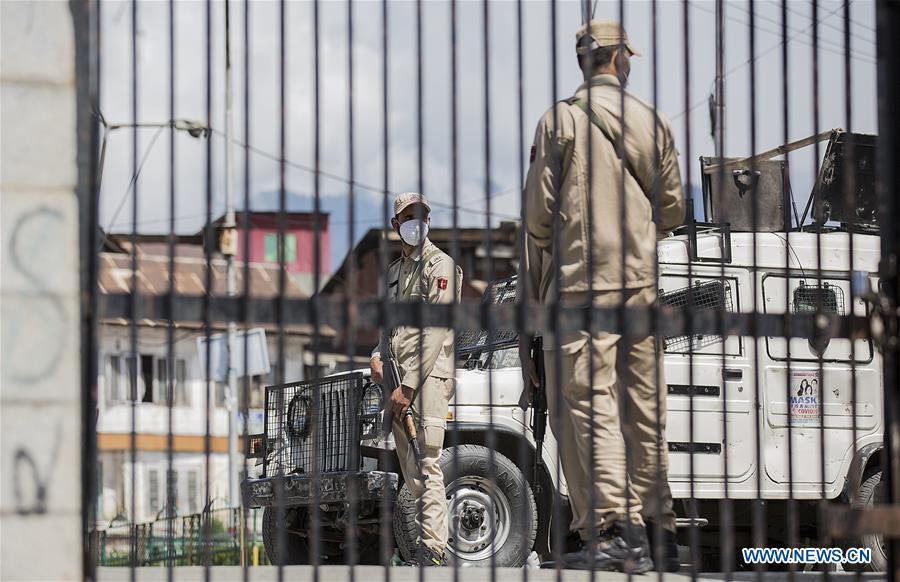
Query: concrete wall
{"type": "Point", "coordinates": [40, 453]}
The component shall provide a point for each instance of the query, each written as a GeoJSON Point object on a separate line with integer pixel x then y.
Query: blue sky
{"type": "Point", "coordinates": [402, 158]}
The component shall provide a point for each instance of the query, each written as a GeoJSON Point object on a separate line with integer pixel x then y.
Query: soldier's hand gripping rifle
{"type": "Point", "coordinates": [392, 382]}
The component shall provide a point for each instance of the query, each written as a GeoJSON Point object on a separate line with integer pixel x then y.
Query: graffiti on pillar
{"type": "Point", "coordinates": [30, 482]}
{"type": "Point", "coordinates": [36, 337]}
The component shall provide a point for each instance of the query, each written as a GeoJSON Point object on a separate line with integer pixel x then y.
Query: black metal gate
{"type": "Point", "coordinates": [776, 330]}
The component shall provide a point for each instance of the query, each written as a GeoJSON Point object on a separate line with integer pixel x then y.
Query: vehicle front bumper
{"type": "Point", "coordinates": [302, 490]}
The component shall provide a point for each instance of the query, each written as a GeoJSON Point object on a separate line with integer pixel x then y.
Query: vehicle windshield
{"type": "Point", "coordinates": [498, 349]}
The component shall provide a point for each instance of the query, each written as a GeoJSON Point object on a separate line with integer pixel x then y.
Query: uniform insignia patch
{"type": "Point", "coordinates": [442, 283]}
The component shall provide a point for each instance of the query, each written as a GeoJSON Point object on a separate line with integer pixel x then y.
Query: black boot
{"type": "Point", "coordinates": [620, 547]}
{"type": "Point", "coordinates": [426, 557]}
{"type": "Point", "coordinates": [670, 561]}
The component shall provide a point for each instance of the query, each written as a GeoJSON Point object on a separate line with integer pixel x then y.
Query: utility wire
{"type": "Point", "coordinates": [859, 55]}
{"type": "Point", "coordinates": [134, 179]}
{"type": "Point", "coordinates": [835, 27]}
{"type": "Point", "coordinates": [757, 56]}
{"type": "Point", "coordinates": [347, 181]}
{"type": "Point", "coordinates": [824, 47]}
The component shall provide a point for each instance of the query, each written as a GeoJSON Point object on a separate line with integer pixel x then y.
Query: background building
{"type": "Point", "coordinates": [137, 416]}
{"type": "Point", "coordinates": [483, 256]}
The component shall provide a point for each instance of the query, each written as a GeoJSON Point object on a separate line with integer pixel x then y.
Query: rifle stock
{"type": "Point", "coordinates": [391, 383]}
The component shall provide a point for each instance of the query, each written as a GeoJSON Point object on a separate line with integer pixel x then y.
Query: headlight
{"type": "Point", "coordinates": [298, 416]}
{"type": "Point", "coordinates": [370, 412]}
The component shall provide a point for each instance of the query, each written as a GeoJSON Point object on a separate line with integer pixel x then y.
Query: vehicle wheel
{"type": "Point", "coordinates": [870, 493]}
{"type": "Point", "coordinates": [296, 550]}
{"type": "Point", "coordinates": [485, 518]}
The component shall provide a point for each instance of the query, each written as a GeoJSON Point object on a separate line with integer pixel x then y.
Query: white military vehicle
{"type": "Point", "coordinates": [745, 415]}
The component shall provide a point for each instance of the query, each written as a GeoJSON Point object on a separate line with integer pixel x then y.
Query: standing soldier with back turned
{"type": "Point", "coordinates": [426, 363]}
{"type": "Point", "coordinates": [576, 168]}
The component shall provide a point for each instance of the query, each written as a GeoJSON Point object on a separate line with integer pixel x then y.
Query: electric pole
{"type": "Point", "coordinates": [228, 245]}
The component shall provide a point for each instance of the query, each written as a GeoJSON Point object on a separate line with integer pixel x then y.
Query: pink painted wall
{"type": "Point", "coordinates": [300, 225]}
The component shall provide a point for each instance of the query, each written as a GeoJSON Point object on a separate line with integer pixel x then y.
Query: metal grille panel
{"type": "Point", "coordinates": [708, 295]}
{"type": "Point", "coordinates": [826, 298]}
{"type": "Point", "coordinates": [309, 424]}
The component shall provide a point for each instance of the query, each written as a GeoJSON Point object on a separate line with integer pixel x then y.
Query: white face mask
{"type": "Point", "coordinates": [413, 232]}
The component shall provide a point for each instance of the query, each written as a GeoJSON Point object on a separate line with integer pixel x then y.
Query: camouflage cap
{"type": "Point", "coordinates": [603, 33]}
{"type": "Point", "coordinates": [407, 199]}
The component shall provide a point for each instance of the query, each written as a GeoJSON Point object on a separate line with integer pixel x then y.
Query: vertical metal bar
{"type": "Point", "coordinates": [280, 509]}
{"type": "Point", "coordinates": [848, 188]}
{"type": "Point", "coordinates": [658, 550]}
{"type": "Point", "coordinates": [888, 22]}
{"type": "Point", "coordinates": [316, 546]}
{"type": "Point", "coordinates": [350, 295]}
{"type": "Point", "coordinates": [170, 329]}
{"type": "Point", "coordinates": [726, 521]}
{"type": "Point", "coordinates": [420, 175]}
{"type": "Point", "coordinates": [759, 513]}
{"type": "Point", "coordinates": [454, 213]}
{"type": "Point", "coordinates": [245, 303]}
{"type": "Point", "coordinates": [491, 440]}
{"type": "Point", "coordinates": [521, 243]}
{"type": "Point", "coordinates": [206, 518]}
{"type": "Point", "coordinates": [135, 292]}
{"type": "Point", "coordinates": [694, 537]}
{"type": "Point", "coordinates": [589, 304]}
{"type": "Point", "coordinates": [626, 339]}
{"type": "Point", "coordinates": [558, 534]}
{"type": "Point", "coordinates": [87, 17]}
{"type": "Point", "coordinates": [387, 538]}
{"type": "Point", "coordinates": [820, 303]}
{"type": "Point", "coordinates": [792, 522]}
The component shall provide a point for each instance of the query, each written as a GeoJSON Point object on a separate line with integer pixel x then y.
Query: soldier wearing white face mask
{"type": "Point", "coordinates": [425, 360]}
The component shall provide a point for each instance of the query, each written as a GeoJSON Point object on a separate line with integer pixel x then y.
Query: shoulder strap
{"type": "Point", "coordinates": [601, 125]}
{"type": "Point", "coordinates": [419, 271]}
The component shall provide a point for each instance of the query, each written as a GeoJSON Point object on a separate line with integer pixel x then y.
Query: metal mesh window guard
{"type": "Point", "coordinates": [824, 298]}
{"type": "Point", "coordinates": [714, 296]}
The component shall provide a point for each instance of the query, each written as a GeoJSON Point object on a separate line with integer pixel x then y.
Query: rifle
{"type": "Point", "coordinates": [539, 403]}
{"type": "Point", "coordinates": [392, 382]}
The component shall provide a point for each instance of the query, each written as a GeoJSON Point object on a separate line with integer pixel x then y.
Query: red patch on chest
{"type": "Point", "coordinates": [442, 283]}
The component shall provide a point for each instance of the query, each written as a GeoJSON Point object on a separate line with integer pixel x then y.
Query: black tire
{"type": "Point", "coordinates": [467, 475]}
{"type": "Point", "coordinates": [296, 550]}
{"type": "Point", "coordinates": [870, 492]}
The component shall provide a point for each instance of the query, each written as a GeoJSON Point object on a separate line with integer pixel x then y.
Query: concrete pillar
{"type": "Point", "coordinates": [40, 449]}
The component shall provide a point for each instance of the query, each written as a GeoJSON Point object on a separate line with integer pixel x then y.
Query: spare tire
{"type": "Point", "coordinates": [492, 515]}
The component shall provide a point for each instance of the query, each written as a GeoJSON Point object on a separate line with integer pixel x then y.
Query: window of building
{"type": "Point", "coordinates": [115, 381]}
{"type": "Point", "coordinates": [192, 482]}
{"type": "Point", "coordinates": [256, 391]}
{"type": "Point", "coordinates": [182, 394]}
{"type": "Point", "coordinates": [153, 505]}
{"type": "Point", "coordinates": [289, 248]}
{"type": "Point", "coordinates": [152, 375]}
{"type": "Point", "coordinates": [173, 489]}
